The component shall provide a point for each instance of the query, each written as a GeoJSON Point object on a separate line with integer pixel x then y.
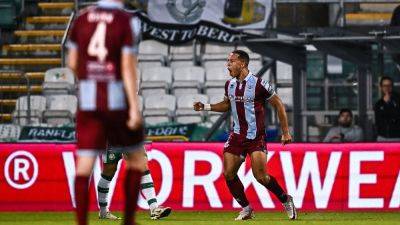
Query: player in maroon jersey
{"type": "Point", "coordinates": [103, 44]}
{"type": "Point", "coordinates": [245, 96]}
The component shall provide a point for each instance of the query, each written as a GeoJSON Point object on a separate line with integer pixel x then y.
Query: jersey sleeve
{"type": "Point", "coordinates": [226, 90]}
{"type": "Point", "coordinates": [267, 89]}
{"type": "Point", "coordinates": [132, 37]}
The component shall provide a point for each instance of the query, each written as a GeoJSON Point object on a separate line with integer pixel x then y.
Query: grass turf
{"type": "Point", "coordinates": [205, 218]}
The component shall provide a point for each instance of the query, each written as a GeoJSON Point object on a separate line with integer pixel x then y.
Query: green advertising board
{"type": "Point", "coordinates": [48, 134]}
{"type": "Point", "coordinates": [184, 130]}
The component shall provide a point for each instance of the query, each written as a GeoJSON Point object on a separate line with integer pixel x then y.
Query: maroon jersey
{"type": "Point", "coordinates": [247, 99]}
{"type": "Point", "coordinates": [100, 34]}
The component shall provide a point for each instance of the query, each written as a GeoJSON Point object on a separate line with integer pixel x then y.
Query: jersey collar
{"type": "Point", "coordinates": [248, 76]}
{"type": "Point", "coordinates": [110, 4]}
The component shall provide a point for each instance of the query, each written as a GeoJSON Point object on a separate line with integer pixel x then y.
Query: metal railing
{"type": "Point", "coordinates": [76, 6]}
{"type": "Point", "coordinates": [28, 95]}
{"type": "Point", "coordinates": [65, 36]}
{"type": "Point", "coordinates": [24, 77]}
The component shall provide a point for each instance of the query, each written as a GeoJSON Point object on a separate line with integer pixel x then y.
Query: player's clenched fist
{"type": "Point", "coordinates": [198, 106]}
{"type": "Point", "coordinates": [286, 138]}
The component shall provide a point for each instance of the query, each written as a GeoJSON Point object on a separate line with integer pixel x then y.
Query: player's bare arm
{"type": "Point", "coordinates": [129, 76]}
{"type": "Point", "coordinates": [73, 60]}
{"type": "Point", "coordinates": [276, 102]}
{"type": "Point", "coordinates": [223, 106]}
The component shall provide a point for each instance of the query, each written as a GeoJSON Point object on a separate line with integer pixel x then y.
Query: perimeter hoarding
{"type": "Point", "coordinates": [188, 176]}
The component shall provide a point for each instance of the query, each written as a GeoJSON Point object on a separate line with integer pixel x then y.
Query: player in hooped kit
{"type": "Point", "coordinates": [245, 96]}
{"type": "Point", "coordinates": [102, 53]}
{"type": "Point", "coordinates": [110, 164]}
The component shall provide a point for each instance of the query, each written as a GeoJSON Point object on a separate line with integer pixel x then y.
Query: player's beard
{"type": "Point", "coordinates": [230, 72]}
{"type": "Point", "coordinates": [233, 74]}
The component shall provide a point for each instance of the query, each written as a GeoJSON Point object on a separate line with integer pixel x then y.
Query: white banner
{"type": "Point", "coordinates": [241, 14]}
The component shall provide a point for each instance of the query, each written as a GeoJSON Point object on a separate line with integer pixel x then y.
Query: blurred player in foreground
{"type": "Point", "coordinates": [102, 53]}
{"type": "Point", "coordinates": [110, 164]}
{"type": "Point", "coordinates": [245, 96]}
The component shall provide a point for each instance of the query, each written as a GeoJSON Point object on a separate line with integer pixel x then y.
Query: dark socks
{"type": "Point", "coordinates": [132, 187]}
{"type": "Point", "coordinates": [237, 190]}
{"type": "Point", "coordinates": [82, 199]}
{"type": "Point", "coordinates": [275, 188]}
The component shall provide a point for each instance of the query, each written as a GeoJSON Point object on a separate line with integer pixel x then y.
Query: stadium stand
{"type": "Point", "coordinates": [214, 52]}
{"type": "Point", "coordinates": [37, 41]}
{"type": "Point", "coordinates": [9, 132]}
{"type": "Point", "coordinates": [141, 103]}
{"type": "Point", "coordinates": [31, 47]}
{"type": "Point", "coordinates": [252, 55]}
{"type": "Point", "coordinates": [159, 108]}
{"type": "Point", "coordinates": [59, 81]}
{"type": "Point", "coordinates": [8, 14]}
{"type": "Point", "coordinates": [370, 14]}
{"type": "Point", "coordinates": [188, 80]}
{"type": "Point", "coordinates": [152, 53]}
{"type": "Point", "coordinates": [185, 113]}
{"type": "Point", "coordinates": [156, 80]}
{"type": "Point", "coordinates": [139, 77]}
{"type": "Point", "coordinates": [183, 55]}
{"type": "Point", "coordinates": [152, 80]}
{"type": "Point", "coordinates": [255, 66]}
{"type": "Point", "coordinates": [214, 98]}
{"type": "Point", "coordinates": [35, 54]}
{"type": "Point", "coordinates": [196, 68]}
{"type": "Point", "coordinates": [37, 106]}
{"type": "Point", "coordinates": [215, 79]}
{"type": "Point", "coordinates": [61, 110]}
{"type": "Point", "coordinates": [177, 64]}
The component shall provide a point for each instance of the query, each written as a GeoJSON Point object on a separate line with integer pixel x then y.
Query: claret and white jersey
{"type": "Point", "coordinates": [100, 34]}
{"type": "Point", "coordinates": [247, 99]}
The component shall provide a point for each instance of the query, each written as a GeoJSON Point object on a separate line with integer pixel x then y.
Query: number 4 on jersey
{"type": "Point", "coordinates": [97, 45]}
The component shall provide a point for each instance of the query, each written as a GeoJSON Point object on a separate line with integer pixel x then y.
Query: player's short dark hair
{"type": "Point", "coordinates": [242, 55]}
{"type": "Point", "coordinates": [385, 78]}
{"type": "Point", "coordinates": [346, 110]}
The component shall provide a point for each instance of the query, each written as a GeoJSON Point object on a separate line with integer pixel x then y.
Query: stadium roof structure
{"type": "Point", "coordinates": [350, 44]}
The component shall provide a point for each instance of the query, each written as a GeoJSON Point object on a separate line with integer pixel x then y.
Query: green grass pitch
{"type": "Point", "coordinates": [212, 218]}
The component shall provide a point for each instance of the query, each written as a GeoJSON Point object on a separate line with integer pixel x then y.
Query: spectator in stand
{"type": "Point", "coordinates": [345, 131]}
{"type": "Point", "coordinates": [387, 112]}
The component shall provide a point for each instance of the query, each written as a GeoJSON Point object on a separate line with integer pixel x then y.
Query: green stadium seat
{"type": "Point", "coordinates": [18, 6]}
{"type": "Point", "coordinates": [7, 15]}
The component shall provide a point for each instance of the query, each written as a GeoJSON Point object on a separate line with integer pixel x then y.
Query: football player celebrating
{"type": "Point", "coordinates": [245, 96]}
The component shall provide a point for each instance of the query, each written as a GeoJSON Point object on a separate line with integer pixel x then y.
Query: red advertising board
{"type": "Point", "coordinates": [188, 176]}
